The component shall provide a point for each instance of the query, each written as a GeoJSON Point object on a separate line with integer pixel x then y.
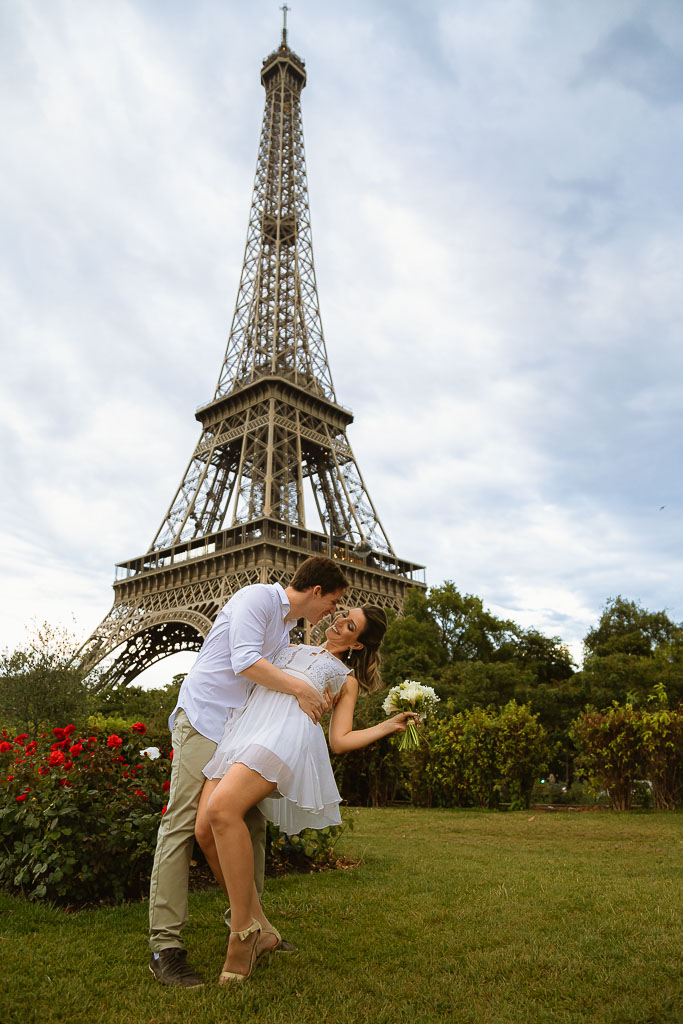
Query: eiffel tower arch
{"type": "Point", "coordinates": [272, 433]}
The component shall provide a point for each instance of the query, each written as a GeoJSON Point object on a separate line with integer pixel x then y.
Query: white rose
{"type": "Point", "coordinates": [151, 752]}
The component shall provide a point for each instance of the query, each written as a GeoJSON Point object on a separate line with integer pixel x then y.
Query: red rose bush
{"type": "Point", "coordinates": [79, 814]}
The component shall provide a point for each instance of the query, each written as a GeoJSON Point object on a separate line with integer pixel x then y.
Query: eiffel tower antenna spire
{"type": "Point", "coordinates": [272, 436]}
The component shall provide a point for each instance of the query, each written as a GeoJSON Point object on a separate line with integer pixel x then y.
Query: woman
{"type": "Point", "coordinates": [273, 755]}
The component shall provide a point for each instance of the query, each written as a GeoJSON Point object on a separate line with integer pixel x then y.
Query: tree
{"type": "Point", "coordinates": [548, 658]}
{"type": "Point", "coordinates": [40, 684]}
{"type": "Point", "coordinates": [629, 652]}
{"type": "Point", "coordinates": [468, 632]}
{"type": "Point", "coordinates": [627, 628]}
{"type": "Point", "coordinates": [469, 684]}
{"type": "Point", "coordinates": [412, 647]}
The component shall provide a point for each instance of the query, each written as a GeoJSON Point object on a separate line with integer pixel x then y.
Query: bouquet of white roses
{"type": "Point", "coordinates": [410, 696]}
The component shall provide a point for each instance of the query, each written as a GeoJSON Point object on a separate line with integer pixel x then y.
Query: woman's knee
{"type": "Point", "coordinates": [220, 813]}
{"type": "Point", "coordinates": [203, 832]}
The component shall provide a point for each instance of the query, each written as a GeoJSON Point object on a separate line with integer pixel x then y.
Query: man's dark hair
{"type": "Point", "coordinates": [319, 571]}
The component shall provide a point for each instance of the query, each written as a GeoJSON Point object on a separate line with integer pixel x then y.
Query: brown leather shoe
{"type": "Point", "coordinates": [170, 967]}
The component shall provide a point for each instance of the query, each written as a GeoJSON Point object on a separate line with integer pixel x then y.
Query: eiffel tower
{"type": "Point", "coordinates": [273, 432]}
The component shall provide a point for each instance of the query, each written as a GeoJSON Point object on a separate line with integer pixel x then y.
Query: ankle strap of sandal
{"type": "Point", "coordinates": [255, 926]}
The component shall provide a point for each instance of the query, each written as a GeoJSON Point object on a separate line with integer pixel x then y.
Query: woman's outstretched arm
{"type": "Point", "coordinates": [343, 737]}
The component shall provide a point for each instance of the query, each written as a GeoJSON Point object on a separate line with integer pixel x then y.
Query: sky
{"type": "Point", "coordinates": [497, 214]}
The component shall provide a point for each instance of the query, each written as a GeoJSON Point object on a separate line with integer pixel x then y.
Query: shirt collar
{"type": "Point", "coordinates": [280, 591]}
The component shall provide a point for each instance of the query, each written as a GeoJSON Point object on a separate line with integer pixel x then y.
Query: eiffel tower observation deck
{"type": "Point", "coordinates": [272, 433]}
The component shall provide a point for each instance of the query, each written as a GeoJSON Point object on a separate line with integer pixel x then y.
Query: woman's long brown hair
{"type": "Point", "coordinates": [364, 663]}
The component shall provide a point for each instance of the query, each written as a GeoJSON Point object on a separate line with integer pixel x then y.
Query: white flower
{"type": "Point", "coordinates": [151, 752]}
{"type": "Point", "coordinates": [410, 696]}
{"type": "Point", "coordinates": [411, 692]}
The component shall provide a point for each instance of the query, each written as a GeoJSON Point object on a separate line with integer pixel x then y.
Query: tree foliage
{"type": "Point", "coordinates": [629, 652]}
{"type": "Point", "coordinates": [480, 756]}
{"type": "Point", "coordinates": [467, 631]}
{"type": "Point", "coordinates": [627, 628]}
{"type": "Point", "coordinates": [41, 681]}
{"type": "Point", "coordinates": [623, 744]}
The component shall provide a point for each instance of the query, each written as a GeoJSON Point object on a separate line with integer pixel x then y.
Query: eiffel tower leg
{"type": "Point", "coordinates": [133, 638]}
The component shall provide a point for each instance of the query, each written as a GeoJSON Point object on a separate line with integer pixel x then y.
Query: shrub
{"type": "Point", "coordinates": [460, 765]}
{"type": "Point", "coordinates": [79, 817]}
{"type": "Point", "coordinates": [611, 754]}
{"type": "Point", "coordinates": [312, 850]}
{"type": "Point", "coordinates": [662, 740]}
{"type": "Point", "coordinates": [476, 755]}
{"type": "Point", "coordinates": [79, 814]}
{"type": "Point", "coordinates": [521, 752]}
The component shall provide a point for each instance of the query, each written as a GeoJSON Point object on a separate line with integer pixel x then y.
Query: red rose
{"type": "Point", "coordinates": [163, 809]}
{"type": "Point", "coordinates": [140, 792]}
{"type": "Point", "coordinates": [31, 747]}
{"type": "Point", "coordinates": [64, 782]}
{"type": "Point", "coordinates": [166, 786]}
{"type": "Point", "coordinates": [114, 741]}
{"type": "Point", "coordinates": [56, 757]}
{"type": "Point", "coordinates": [5, 746]}
{"type": "Point", "coordinates": [59, 733]}
{"type": "Point", "coordinates": [21, 797]}
{"type": "Point", "coordinates": [92, 739]}
{"type": "Point", "coordinates": [76, 749]}
{"type": "Point", "coordinates": [43, 770]}
{"type": "Point", "coordinates": [139, 727]}
{"type": "Point", "coordinates": [21, 738]}
{"type": "Point", "coordinates": [60, 745]}
{"type": "Point", "coordinates": [170, 756]}
{"type": "Point", "coordinates": [68, 764]}
{"type": "Point", "coordinates": [69, 729]}
{"type": "Point", "coordinates": [121, 759]}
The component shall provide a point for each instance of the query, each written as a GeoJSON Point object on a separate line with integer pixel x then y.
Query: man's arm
{"type": "Point", "coordinates": [309, 700]}
{"type": "Point", "coordinates": [249, 622]}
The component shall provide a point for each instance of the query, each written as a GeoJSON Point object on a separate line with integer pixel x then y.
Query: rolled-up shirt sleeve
{"type": "Point", "coordinates": [248, 628]}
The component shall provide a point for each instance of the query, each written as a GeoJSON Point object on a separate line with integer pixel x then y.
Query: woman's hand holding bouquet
{"type": "Point", "coordinates": [414, 699]}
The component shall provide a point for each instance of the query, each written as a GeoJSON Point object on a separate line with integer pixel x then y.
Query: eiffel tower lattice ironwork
{"type": "Point", "coordinates": [273, 431]}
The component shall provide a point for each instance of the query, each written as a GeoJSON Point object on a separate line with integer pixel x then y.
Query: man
{"type": "Point", "coordinates": [251, 629]}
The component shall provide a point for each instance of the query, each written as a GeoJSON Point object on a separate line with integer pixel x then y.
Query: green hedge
{"type": "Point", "coordinates": [624, 746]}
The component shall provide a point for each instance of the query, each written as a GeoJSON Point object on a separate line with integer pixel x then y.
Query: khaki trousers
{"type": "Point", "coordinates": [168, 909]}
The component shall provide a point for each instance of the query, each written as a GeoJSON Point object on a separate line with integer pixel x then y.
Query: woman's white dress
{"type": "Point", "coordinates": [272, 735]}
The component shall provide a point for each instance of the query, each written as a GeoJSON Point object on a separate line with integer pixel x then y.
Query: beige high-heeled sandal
{"type": "Point", "coordinates": [281, 945]}
{"type": "Point", "coordinates": [227, 976]}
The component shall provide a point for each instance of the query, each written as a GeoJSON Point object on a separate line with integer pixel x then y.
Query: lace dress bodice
{"type": "Point", "coordinates": [319, 666]}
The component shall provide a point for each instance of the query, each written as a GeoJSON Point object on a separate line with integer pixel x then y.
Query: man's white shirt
{"type": "Point", "coordinates": [250, 626]}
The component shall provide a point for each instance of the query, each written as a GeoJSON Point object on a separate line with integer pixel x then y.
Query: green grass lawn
{"type": "Point", "coordinates": [452, 916]}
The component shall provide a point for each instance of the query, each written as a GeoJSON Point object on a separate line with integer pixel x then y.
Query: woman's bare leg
{"type": "Point", "coordinates": [204, 833]}
{"type": "Point", "coordinates": [205, 838]}
{"type": "Point", "coordinates": [240, 789]}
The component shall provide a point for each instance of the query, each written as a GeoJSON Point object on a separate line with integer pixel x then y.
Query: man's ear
{"type": "Point", "coordinates": [317, 591]}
